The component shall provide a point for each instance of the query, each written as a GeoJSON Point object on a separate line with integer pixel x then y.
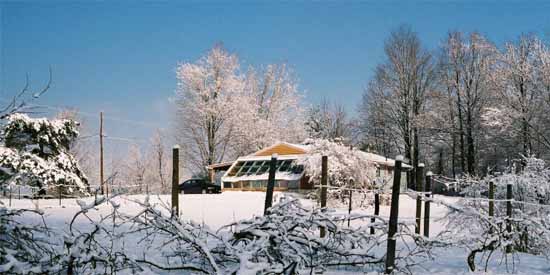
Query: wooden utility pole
{"type": "Point", "coordinates": [270, 183]}
{"type": "Point", "coordinates": [175, 207]}
{"type": "Point", "coordinates": [419, 188]}
{"type": "Point", "coordinates": [394, 213]}
{"type": "Point", "coordinates": [324, 183]}
{"type": "Point", "coordinates": [101, 182]}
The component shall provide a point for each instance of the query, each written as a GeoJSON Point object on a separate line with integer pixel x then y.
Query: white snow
{"type": "Point", "coordinates": [217, 210]}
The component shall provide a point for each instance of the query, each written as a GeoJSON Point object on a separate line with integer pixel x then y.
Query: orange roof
{"type": "Point", "coordinates": [282, 148]}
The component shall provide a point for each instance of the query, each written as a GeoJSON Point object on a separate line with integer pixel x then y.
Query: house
{"type": "Point", "coordinates": [250, 173]}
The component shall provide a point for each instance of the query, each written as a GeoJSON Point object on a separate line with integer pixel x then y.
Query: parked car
{"type": "Point", "coordinates": [196, 186]}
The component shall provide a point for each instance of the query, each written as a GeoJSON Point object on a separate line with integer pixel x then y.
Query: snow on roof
{"type": "Point", "coordinates": [382, 160]}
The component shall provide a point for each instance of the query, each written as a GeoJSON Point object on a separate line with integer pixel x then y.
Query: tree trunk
{"type": "Point", "coordinates": [470, 142]}
{"type": "Point", "coordinates": [461, 133]}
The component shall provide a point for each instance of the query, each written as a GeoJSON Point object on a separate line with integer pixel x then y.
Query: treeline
{"type": "Point", "coordinates": [469, 106]}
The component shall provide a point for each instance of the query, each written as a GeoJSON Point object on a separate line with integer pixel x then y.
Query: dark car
{"type": "Point", "coordinates": [199, 186]}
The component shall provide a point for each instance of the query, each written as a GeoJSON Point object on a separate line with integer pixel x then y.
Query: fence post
{"type": "Point", "coordinates": [349, 206]}
{"type": "Point", "coordinates": [394, 213]}
{"type": "Point", "coordinates": [419, 188]}
{"type": "Point", "coordinates": [491, 199]}
{"type": "Point", "coordinates": [509, 213]}
{"type": "Point", "coordinates": [59, 192]}
{"type": "Point", "coordinates": [270, 183]}
{"type": "Point", "coordinates": [19, 191]}
{"type": "Point", "coordinates": [376, 210]}
{"type": "Point", "coordinates": [10, 195]}
{"type": "Point", "coordinates": [324, 183]}
{"type": "Point", "coordinates": [428, 191]}
{"type": "Point", "coordinates": [175, 207]}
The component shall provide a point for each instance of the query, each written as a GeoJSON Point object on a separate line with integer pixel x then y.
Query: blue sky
{"type": "Point", "coordinates": [120, 57]}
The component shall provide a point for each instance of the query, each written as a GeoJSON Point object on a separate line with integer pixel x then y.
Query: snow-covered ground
{"type": "Point", "coordinates": [216, 210]}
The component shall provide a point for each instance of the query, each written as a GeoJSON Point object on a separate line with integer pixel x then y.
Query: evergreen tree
{"type": "Point", "coordinates": [35, 152]}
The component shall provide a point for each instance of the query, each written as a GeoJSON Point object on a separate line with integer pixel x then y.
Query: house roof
{"type": "Point", "coordinates": [282, 148]}
{"type": "Point", "coordinates": [226, 164]}
{"type": "Point", "coordinates": [383, 160]}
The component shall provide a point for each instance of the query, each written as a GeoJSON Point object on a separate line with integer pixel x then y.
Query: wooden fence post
{"type": "Point", "coordinates": [491, 199]}
{"type": "Point", "coordinates": [270, 183]}
{"type": "Point", "coordinates": [376, 210]}
{"type": "Point", "coordinates": [419, 188]}
{"type": "Point", "coordinates": [59, 191]}
{"type": "Point", "coordinates": [324, 183]}
{"type": "Point", "coordinates": [394, 213]}
{"type": "Point", "coordinates": [349, 206]}
{"type": "Point", "coordinates": [19, 191]}
{"type": "Point", "coordinates": [428, 191]}
{"type": "Point", "coordinates": [10, 195]}
{"type": "Point", "coordinates": [509, 212]}
{"type": "Point", "coordinates": [175, 207]}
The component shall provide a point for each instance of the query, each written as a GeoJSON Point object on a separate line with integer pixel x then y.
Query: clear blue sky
{"type": "Point", "coordinates": [121, 57]}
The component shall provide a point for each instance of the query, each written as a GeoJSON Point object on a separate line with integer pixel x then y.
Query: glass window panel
{"type": "Point", "coordinates": [236, 168]}
{"type": "Point", "coordinates": [293, 184]}
{"type": "Point", "coordinates": [255, 167]}
{"type": "Point", "coordinates": [285, 166]}
{"type": "Point", "coordinates": [297, 169]}
{"type": "Point", "coordinates": [244, 168]}
{"type": "Point", "coordinates": [264, 168]}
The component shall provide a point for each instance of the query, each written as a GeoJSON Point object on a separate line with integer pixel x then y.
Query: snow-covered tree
{"type": "Point", "coordinates": [348, 167]}
{"type": "Point", "coordinates": [328, 121]}
{"type": "Point", "coordinates": [161, 165]}
{"type": "Point", "coordinates": [223, 113]}
{"type": "Point", "coordinates": [272, 110]}
{"type": "Point", "coordinates": [35, 153]}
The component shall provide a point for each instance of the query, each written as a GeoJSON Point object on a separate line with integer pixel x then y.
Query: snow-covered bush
{"type": "Point", "coordinates": [347, 166]}
{"type": "Point", "coordinates": [285, 241]}
{"type": "Point", "coordinates": [24, 248]}
{"type": "Point", "coordinates": [471, 226]}
{"type": "Point", "coordinates": [35, 153]}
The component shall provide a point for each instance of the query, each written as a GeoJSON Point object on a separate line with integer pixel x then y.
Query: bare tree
{"type": "Point", "coordinates": [465, 67]}
{"type": "Point", "coordinates": [160, 163]}
{"type": "Point", "coordinates": [400, 85]}
{"type": "Point", "coordinates": [328, 120]}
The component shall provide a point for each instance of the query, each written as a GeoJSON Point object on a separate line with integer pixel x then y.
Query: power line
{"type": "Point", "coordinates": [112, 118]}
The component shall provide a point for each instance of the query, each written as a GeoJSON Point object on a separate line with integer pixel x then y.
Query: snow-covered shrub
{"type": "Point", "coordinates": [24, 248]}
{"type": "Point", "coordinates": [285, 241]}
{"type": "Point", "coordinates": [35, 153]}
{"type": "Point", "coordinates": [347, 166]}
{"type": "Point", "coordinates": [471, 226]}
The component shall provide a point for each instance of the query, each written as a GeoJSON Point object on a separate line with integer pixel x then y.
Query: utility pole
{"type": "Point", "coordinates": [175, 206]}
{"type": "Point", "coordinates": [104, 190]}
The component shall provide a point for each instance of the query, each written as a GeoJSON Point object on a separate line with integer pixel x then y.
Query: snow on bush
{"type": "Point", "coordinates": [285, 241]}
{"type": "Point", "coordinates": [528, 230]}
{"type": "Point", "coordinates": [24, 248]}
{"type": "Point", "coordinates": [35, 153]}
{"type": "Point", "coordinates": [347, 166]}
